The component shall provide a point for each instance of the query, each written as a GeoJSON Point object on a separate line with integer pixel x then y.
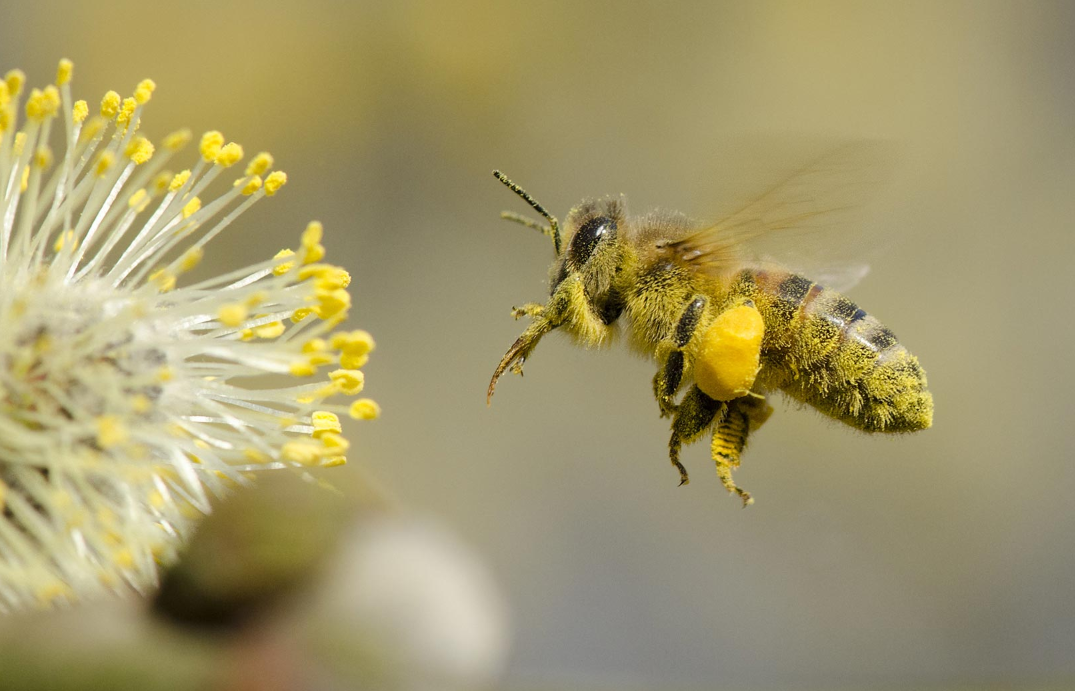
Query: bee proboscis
{"type": "Point", "coordinates": [725, 326]}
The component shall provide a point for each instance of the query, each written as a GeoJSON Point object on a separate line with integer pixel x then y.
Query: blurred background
{"type": "Point", "coordinates": [942, 559]}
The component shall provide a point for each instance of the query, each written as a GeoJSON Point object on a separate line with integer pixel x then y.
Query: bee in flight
{"type": "Point", "coordinates": [731, 328]}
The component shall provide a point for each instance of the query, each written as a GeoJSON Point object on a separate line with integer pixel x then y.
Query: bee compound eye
{"type": "Point", "coordinates": [588, 236]}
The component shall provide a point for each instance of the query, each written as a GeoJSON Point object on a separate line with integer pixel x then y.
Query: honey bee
{"type": "Point", "coordinates": [727, 327]}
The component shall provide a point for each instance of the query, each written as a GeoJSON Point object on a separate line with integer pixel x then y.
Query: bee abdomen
{"type": "Point", "coordinates": [843, 361]}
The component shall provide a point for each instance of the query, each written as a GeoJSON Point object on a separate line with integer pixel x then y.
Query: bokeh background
{"type": "Point", "coordinates": [935, 560]}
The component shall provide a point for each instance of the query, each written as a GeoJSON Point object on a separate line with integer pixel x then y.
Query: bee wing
{"type": "Point", "coordinates": [810, 219]}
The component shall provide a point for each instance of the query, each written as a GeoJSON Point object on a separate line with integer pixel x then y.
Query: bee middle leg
{"type": "Point", "coordinates": [692, 417]}
{"type": "Point", "coordinates": [670, 354]}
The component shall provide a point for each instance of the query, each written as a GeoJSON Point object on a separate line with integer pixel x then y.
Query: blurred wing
{"type": "Point", "coordinates": [809, 221]}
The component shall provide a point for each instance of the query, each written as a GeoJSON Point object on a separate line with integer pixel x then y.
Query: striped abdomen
{"type": "Point", "coordinates": [823, 349]}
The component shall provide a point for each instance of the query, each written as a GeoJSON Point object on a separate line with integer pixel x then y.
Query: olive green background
{"type": "Point", "coordinates": [940, 558]}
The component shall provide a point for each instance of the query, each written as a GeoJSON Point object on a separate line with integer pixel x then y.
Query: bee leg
{"type": "Point", "coordinates": [669, 376]}
{"type": "Point", "coordinates": [691, 419]}
{"type": "Point", "coordinates": [741, 417]}
{"type": "Point", "coordinates": [530, 309]}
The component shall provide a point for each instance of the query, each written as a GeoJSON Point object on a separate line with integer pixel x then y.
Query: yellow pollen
{"type": "Point", "coordinates": [364, 409]}
{"type": "Point", "coordinates": [275, 181]}
{"type": "Point", "coordinates": [252, 185]}
{"type": "Point", "coordinates": [300, 314]}
{"type": "Point", "coordinates": [42, 104]}
{"type": "Point", "coordinates": [302, 368]}
{"type": "Point", "coordinates": [14, 80]}
{"type": "Point", "coordinates": [18, 144]}
{"type": "Point", "coordinates": [64, 71]}
{"type": "Point", "coordinates": [126, 111]}
{"type": "Point", "coordinates": [284, 267]}
{"type": "Point", "coordinates": [334, 441]}
{"type": "Point", "coordinates": [140, 150]}
{"type": "Point", "coordinates": [270, 330]}
{"type": "Point", "coordinates": [80, 111]}
{"type": "Point", "coordinates": [43, 157]}
{"type": "Point", "coordinates": [93, 127]}
{"type": "Point", "coordinates": [233, 315]}
{"type": "Point", "coordinates": [25, 181]}
{"type": "Point", "coordinates": [179, 180]}
{"type": "Point", "coordinates": [191, 258]}
{"type": "Point", "coordinates": [110, 432]}
{"type": "Point", "coordinates": [358, 342]}
{"type": "Point", "coordinates": [350, 381]}
{"type": "Point", "coordinates": [138, 200]}
{"type": "Point", "coordinates": [65, 239]}
{"type": "Point", "coordinates": [325, 421]}
{"type": "Point", "coordinates": [161, 181]}
{"type": "Point", "coordinates": [104, 162]}
{"type": "Point", "coordinates": [229, 154]}
{"type": "Point", "coordinates": [260, 164]}
{"type": "Point", "coordinates": [110, 104]}
{"type": "Point", "coordinates": [144, 91]}
{"type": "Point", "coordinates": [177, 140]}
{"type": "Point", "coordinates": [331, 303]}
{"type": "Point", "coordinates": [212, 142]}
{"type": "Point", "coordinates": [315, 345]}
{"type": "Point", "coordinates": [192, 207]}
{"type": "Point", "coordinates": [328, 276]}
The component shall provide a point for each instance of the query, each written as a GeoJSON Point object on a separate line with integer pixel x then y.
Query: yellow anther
{"type": "Point", "coordinates": [233, 314]}
{"type": "Point", "coordinates": [275, 181]}
{"type": "Point", "coordinates": [6, 117]}
{"type": "Point", "coordinates": [64, 71]}
{"type": "Point", "coordinates": [191, 258]}
{"type": "Point", "coordinates": [302, 368]}
{"type": "Point", "coordinates": [323, 422]}
{"type": "Point", "coordinates": [212, 142]}
{"type": "Point", "coordinates": [256, 455]}
{"type": "Point", "coordinates": [161, 181]}
{"type": "Point", "coordinates": [138, 200]}
{"type": "Point", "coordinates": [318, 359]}
{"type": "Point", "coordinates": [256, 298]}
{"type": "Point", "coordinates": [14, 80]}
{"type": "Point", "coordinates": [283, 267]}
{"type": "Point", "coordinates": [336, 442]}
{"type": "Point", "coordinates": [364, 409]}
{"type": "Point", "coordinates": [179, 180]}
{"type": "Point", "coordinates": [259, 164]}
{"type": "Point", "coordinates": [315, 345]}
{"type": "Point", "coordinates": [270, 330]}
{"type": "Point", "coordinates": [246, 335]}
{"type": "Point", "coordinates": [349, 381]}
{"type": "Point", "coordinates": [24, 182]}
{"type": "Point", "coordinates": [110, 104]}
{"type": "Point", "coordinates": [334, 461]}
{"type": "Point", "coordinates": [251, 185]}
{"type": "Point", "coordinates": [65, 239]}
{"type": "Point", "coordinates": [165, 374]}
{"type": "Point", "coordinates": [177, 140]}
{"type": "Point", "coordinates": [139, 150]}
{"type": "Point", "coordinates": [110, 432]}
{"type": "Point", "coordinates": [104, 161]}
{"type": "Point", "coordinates": [229, 154]}
{"type": "Point", "coordinates": [164, 280]}
{"type": "Point", "coordinates": [358, 342]}
{"type": "Point", "coordinates": [191, 207]}
{"type": "Point", "coordinates": [141, 404]}
{"type": "Point", "coordinates": [80, 111]}
{"type": "Point", "coordinates": [313, 234]}
{"type": "Point", "coordinates": [126, 110]}
{"type": "Point", "coordinates": [43, 157]}
{"type": "Point", "coordinates": [328, 276]}
{"type": "Point", "coordinates": [302, 452]}
{"type": "Point", "coordinates": [42, 104]}
{"type": "Point", "coordinates": [331, 303]}
{"type": "Point", "coordinates": [350, 361]}
{"type": "Point", "coordinates": [300, 314]}
{"type": "Point", "coordinates": [18, 144]}
{"type": "Point", "coordinates": [144, 91]}
{"type": "Point", "coordinates": [93, 127]}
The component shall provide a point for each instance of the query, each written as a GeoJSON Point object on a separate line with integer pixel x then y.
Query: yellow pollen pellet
{"type": "Point", "coordinates": [191, 258]}
{"type": "Point", "coordinates": [350, 381]}
{"type": "Point", "coordinates": [110, 104]}
{"type": "Point", "coordinates": [140, 150]}
{"type": "Point", "coordinates": [14, 80]}
{"type": "Point", "coordinates": [144, 91]}
{"type": "Point", "coordinates": [252, 185]}
{"type": "Point", "coordinates": [43, 157]}
{"type": "Point", "coordinates": [324, 421]}
{"type": "Point", "coordinates": [104, 162]}
{"type": "Point", "coordinates": [364, 409]}
{"type": "Point", "coordinates": [64, 71]}
{"type": "Point", "coordinates": [126, 110]}
{"type": "Point", "coordinates": [192, 207]}
{"type": "Point", "coordinates": [80, 111]}
{"type": "Point", "coordinates": [212, 142]}
{"type": "Point", "coordinates": [177, 140]}
{"type": "Point", "coordinates": [260, 164]}
{"type": "Point", "coordinates": [284, 267]}
{"type": "Point", "coordinates": [179, 180]}
{"type": "Point", "coordinates": [229, 154]}
{"type": "Point", "coordinates": [110, 432]}
{"type": "Point", "coordinates": [233, 314]}
{"type": "Point", "coordinates": [275, 181]}
{"type": "Point", "coordinates": [139, 200]}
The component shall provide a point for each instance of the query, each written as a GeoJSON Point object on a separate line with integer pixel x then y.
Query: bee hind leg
{"type": "Point", "coordinates": [741, 417]}
{"type": "Point", "coordinates": [690, 420]}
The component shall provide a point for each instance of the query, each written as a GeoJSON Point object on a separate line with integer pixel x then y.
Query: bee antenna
{"type": "Point", "coordinates": [554, 225]}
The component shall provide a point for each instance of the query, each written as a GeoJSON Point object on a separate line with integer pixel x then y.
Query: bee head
{"type": "Point", "coordinates": [593, 250]}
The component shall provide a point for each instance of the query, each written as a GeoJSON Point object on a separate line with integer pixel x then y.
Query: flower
{"type": "Point", "coordinates": [127, 398]}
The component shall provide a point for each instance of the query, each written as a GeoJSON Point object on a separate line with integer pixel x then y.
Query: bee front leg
{"type": "Point", "coordinates": [692, 417]}
{"type": "Point", "coordinates": [669, 376]}
{"type": "Point", "coordinates": [530, 309]}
